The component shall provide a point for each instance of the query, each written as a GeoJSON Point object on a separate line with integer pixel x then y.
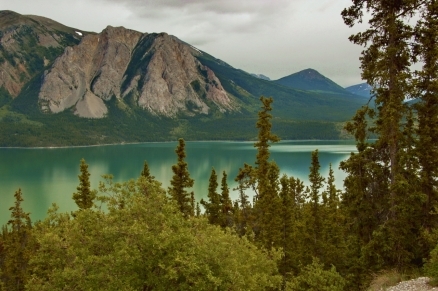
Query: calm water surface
{"type": "Point", "coordinates": [50, 175]}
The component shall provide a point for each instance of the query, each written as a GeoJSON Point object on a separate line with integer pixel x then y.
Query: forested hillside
{"type": "Point", "coordinates": [66, 87]}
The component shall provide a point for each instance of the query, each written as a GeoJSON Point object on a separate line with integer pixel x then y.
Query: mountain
{"type": "Point", "coordinates": [27, 45]}
{"type": "Point", "coordinates": [311, 80]}
{"type": "Point", "coordinates": [362, 89]}
{"type": "Point", "coordinates": [261, 76]}
{"type": "Point", "coordinates": [66, 86]}
{"type": "Point", "coordinates": [159, 72]}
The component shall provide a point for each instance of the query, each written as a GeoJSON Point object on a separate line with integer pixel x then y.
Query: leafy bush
{"type": "Point", "coordinates": [315, 278]}
{"type": "Point", "coordinates": [431, 266]}
{"type": "Point", "coordinates": [144, 243]}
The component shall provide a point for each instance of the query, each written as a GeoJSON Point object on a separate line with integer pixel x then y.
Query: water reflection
{"type": "Point", "coordinates": [50, 175]}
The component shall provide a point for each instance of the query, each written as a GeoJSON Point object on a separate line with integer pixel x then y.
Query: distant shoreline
{"type": "Point", "coordinates": [174, 141]}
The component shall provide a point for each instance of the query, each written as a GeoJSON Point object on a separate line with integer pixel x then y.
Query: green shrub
{"type": "Point", "coordinates": [315, 278]}
{"type": "Point", "coordinates": [431, 266]}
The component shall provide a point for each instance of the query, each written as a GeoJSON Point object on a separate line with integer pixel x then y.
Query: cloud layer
{"type": "Point", "coordinates": [272, 37]}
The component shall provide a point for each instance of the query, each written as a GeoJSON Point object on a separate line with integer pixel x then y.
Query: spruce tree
{"type": "Point", "coordinates": [265, 137]}
{"type": "Point", "coordinates": [426, 36]}
{"type": "Point", "coordinates": [243, 211]}
{"type": "Point", "coordinates": [84, 196]}
{"type": "Point", "coordinates": [266, 175]}
{"type": "Point", "coordinates": [213, 206]}
{"type": "Point", "coordinates": [383, 185]}
{"type": "Point", "coordinates": [288, 212]}
{"type": "Point", "coordinates": [316, 211]}
{"type": "Point", "coordinates": [18, 247]}
{"type": "Point", "coordinates": [181, 181]}
{"type": "Point", "coordinates": [146, 172]}
{"type": "Point", "coordinates": [226, 204]}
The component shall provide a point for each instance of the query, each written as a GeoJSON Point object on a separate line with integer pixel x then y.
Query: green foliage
{"type": "Point", "coordinates": [145, 245]}
{"type": "Point", "coordinates": [84, 196]}
{"type": "Point", "coordinates": [5, 97]}
{"type": "Point", "coordinates": [291, 103]}
{"type": "Point", "coordinates": [383, 200]}
{"type": "Point", "coordinates": [181, 181]}
{"type": "Point", "coordinates": [146, 172]}
{"type": "Point", "coordinates": [315, 278]}
{"type": "Point", "coordinates": [213, 207]}
{"type": "Point", "coordinates": [17, 245]}
{"type": "Point", "coordinates": [226, 211]}
{"type": "Point", "coordinates": [426, 81]}
{"type": "Point", "coordinates": [431, 265]}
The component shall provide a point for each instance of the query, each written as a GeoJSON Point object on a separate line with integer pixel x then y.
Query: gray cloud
{"type": "Point", "coordinates": [273, 37]}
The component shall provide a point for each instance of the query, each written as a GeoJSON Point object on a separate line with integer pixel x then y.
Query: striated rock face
{"type": "Point", "coordinates": [89, 73]}
{"type": "Point", "coordinates": [82, 71]}
{"type": "Point", "coordinates": [158, 71]}
{"type": "Point", "coordinates": [27, 45]}
{"type": "Point", "coordinates": [175, 81]}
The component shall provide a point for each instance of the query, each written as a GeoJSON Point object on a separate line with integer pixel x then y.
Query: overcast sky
{"type": "Point", "coordinates": [272, 37]}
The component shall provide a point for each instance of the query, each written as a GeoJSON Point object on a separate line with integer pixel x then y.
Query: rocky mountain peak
{"type": "Point", "coordinates": [27, 45]}
{"type": "Point", "coordinates": [158, 71]}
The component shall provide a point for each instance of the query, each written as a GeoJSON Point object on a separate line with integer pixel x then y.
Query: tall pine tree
{"type": "Point", "coordinates": [213, 205]}
{"type": "Point", "coordinates": [84, 196]}
{"type": "Point", "coordinates": [226, 204]}
{"type": "Point", "coordinates": [18, 247]}
{"type": "Point", "coordinates": [426, 36]}
{"type": "Point", "coordinates": [146, 172]}
{"type": "Point", "coordinates": [181, 181]}
{"type": "Point", "coordinates": [382, 187]}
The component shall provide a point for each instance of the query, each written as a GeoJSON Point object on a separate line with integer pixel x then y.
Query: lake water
{"type": "Point", "coordinates": [50, 175]}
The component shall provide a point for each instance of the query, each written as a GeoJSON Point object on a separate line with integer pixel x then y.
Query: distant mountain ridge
{"type": "Point", "coordinates": [261, 76]}
{"type": "Point", "coordinates": [311, 80]}
{"type": "Point", "coordinates": [133, 86]}
{"type": "Point", "coordinates": [362, 89]}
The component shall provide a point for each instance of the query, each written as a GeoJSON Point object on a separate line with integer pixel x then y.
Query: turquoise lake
{"type": "Point", "coordinates": [50, 175]}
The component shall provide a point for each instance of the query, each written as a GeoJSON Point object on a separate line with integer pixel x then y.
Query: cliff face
{"type": "Point", "coordinates": [158, 71]}
{"type": "Point", "coordinates": [27, 45]}
{"type": "Point", "coordinates": [86, 74]}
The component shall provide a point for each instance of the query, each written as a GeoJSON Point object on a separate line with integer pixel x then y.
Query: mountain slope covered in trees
{"type": "Point", "coordinates": [66, 86]}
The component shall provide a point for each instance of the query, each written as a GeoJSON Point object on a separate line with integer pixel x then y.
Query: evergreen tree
{"type": "Point", "coordinates": [226, 204]}
{"type": "Point", "coordinates": [198, 210]}
{"type": "Point", "coordinates": [84, 196]}
{"type": "Point", "coordinates": [382, 187]}
{"type": "Point", "coordinates": [265, 137]}
{"type": "Point", "coordinates": [426, 36]}
{"type": "Point", "coordinates": [316, 212]}
{"type": "Point", "coordinates": [146, 172]}
{"type": "Point", "coordinates": [266, 175]}
{"type": "Point", "coordinates": [192, 204]}
{"type": "Point", "coordinates": [288, 212]}
{"type": "Point", "coordinates": [243, 211]}
{"type": "Point", "coordinates": [181, 181]}
{"type": "Point", "coordinates": [333, 226]}
{"type": "Point", "coordinates": [268, 209]}
{"type": "Point", "coordinates": [213, 206]}
{"type": "Point", "coordinates": [18, 247]}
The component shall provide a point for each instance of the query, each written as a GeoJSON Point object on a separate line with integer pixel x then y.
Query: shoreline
{"type": "Point", "coordinates": [155, 142]}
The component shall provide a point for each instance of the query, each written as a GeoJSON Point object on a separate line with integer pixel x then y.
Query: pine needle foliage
{"type": "Point", "coordinates": [181, 181]}
{"type": "Point", "coordinates": [84, 197]}
{"type": "Point", "coordinates": [18, 246]}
